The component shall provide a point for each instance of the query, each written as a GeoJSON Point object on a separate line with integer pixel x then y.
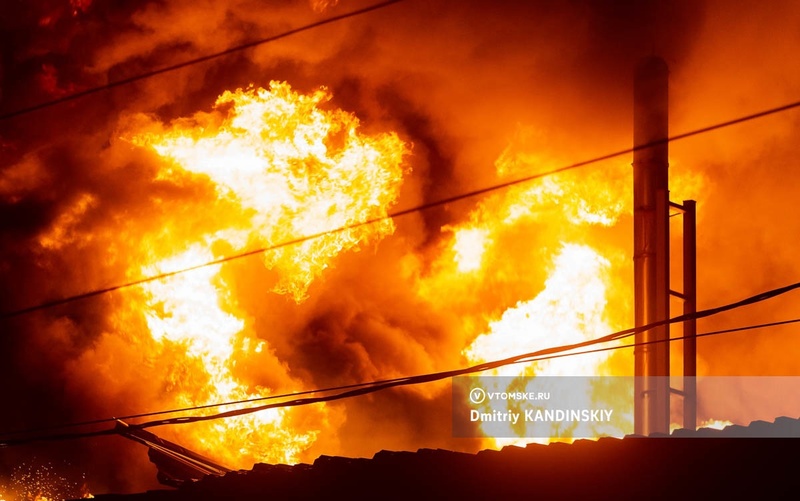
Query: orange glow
{"type": "Point", "coordinates": [61, 232]}
{"type": "Point", "coordinates": [41, 482]}
{"type": "Point", "coordinates": [716, 424]}
{"type": "Point", "coordinates": [294, 170]}
{"type": "Point", "coordinates": [323, 5]}
{"type": "Point", "coordinates": [283, 165]}
{"type": "Point", "coordinates": [187, 312]}
{"type": "Point", "coordinates": [532, 238]}
{"type": "Point", "coordinates": [284, 168]}
{"type": "Point", "coordinates": [469, 247]}
{"type": "Point", "coordinates": [535, 239]}
{"type": "Point", "coordinates": [142, 138]}
{"type": "Point", "coordinates": [570, 309]}
{"type": "Point", "coordinates": [80, 6]}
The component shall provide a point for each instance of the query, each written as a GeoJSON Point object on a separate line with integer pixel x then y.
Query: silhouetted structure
{"type": "Point", "coordinates": [176, 464]}
{"type": "Point", "coordinates": [716, 463]}
{"type": "Point", "coordinates": [651, 244]}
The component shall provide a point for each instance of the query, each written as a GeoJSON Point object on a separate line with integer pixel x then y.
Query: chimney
{"type": "Point", "coordinates": [651, 245]}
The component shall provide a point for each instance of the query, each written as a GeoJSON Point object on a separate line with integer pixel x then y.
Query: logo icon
{"type": "Point", "coordinates": [477, 395]}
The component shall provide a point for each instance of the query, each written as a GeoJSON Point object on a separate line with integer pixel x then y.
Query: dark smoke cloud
{"type": "Point", "coordinates": [460, 81]}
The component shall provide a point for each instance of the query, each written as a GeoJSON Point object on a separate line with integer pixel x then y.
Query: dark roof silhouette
{"type": "Point", "coordinates": [761, 458]}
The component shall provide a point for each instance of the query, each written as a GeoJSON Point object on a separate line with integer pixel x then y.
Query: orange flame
{"type": "Point", "coordinates": [469, 246]}
{"type": "Point", "coordinates": [293, 168]}
{"type": "Point", "coordinates": [282, 168]}
{"type": "Point", "coordinates": [716, 424]}
{"type": "Point", "coordinates": [511, 236]}
{"type": "Point", "coordinates": [570, 309]}
{"type": "Point", "coordinates": [507, 242]}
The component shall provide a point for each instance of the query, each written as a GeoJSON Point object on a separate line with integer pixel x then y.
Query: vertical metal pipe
{"type": "Point", "coordinates": [651, 244]}
{"type": "Point", "coordinates": [690, 307]}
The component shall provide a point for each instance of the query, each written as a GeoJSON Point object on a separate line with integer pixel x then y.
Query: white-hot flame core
{"type": "Point", "coordinates": [570, 309]}
{"type": "Point", "coordinates": [283, 169]}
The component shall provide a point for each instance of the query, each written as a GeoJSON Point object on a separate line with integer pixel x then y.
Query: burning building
{"type": "Point", "coordinates": [287, 176]}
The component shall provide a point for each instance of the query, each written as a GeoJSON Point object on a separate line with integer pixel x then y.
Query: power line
{"type": "Point", "coordinates": [191, 62]}
{"type": "Point", "coordinates": [396, 214]}
{"type": "Point", "coordinates": [487, 365]}
{"type": "Point", "coordinates": [306, 401]}
{"type": "Point", "coordinates": [672, 339]}
{"type": "Point", "coordinates": [372, 383]}
{"type": "Point", "coordinates": [371, 387]}
{"type": "Point", "coordinates": [192, 408]}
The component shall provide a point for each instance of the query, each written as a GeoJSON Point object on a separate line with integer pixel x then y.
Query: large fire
{"type": "Point", "coordinates": [293, 170]}
{"type": "Point", "coordinates": [565, 281]}
{"type": "Point", "coordinates": [283, 168]}
{"type": "Point", "coordinates": [154, 167]}
{"type": "Point", "coordinates": [528, 268]}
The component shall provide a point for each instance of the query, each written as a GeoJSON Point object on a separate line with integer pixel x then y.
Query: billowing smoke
{"type": "Point", "coordinates": [479, 91]}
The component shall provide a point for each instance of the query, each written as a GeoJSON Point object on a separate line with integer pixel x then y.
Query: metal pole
{"type": "Point", "coordinates": [651, 245]}
{"type": "Point", "coordinates": [690, 307]}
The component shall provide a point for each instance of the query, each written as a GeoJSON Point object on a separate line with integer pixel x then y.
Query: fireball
{"type": "Point", "coordinates": [283, 167]}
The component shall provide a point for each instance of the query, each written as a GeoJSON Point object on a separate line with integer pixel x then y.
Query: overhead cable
{"type": "Point", "coordinates": [355, 390]}
{"type": "Point", "coordinates": [396, 214]}
{"type": "Point", "coordinates": [191, 62]}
